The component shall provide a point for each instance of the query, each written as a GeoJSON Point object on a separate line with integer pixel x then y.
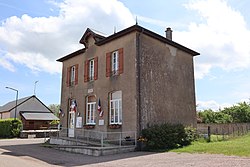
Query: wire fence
{"type": "Point", "coordinates": [98, 138]}
{"type": "Point", "coordinates": [219, 132]}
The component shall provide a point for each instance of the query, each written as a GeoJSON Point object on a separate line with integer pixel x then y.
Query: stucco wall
{"type": "Point", "coordinates": [166, 95]}
{"type": "Point", "coordinates": [5, 115]}
{"type": "Point", "coordinates": [126, 82]}
{"type": "Point", "coordinates": [167, 84]}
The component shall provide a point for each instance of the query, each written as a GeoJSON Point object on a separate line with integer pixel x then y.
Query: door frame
{"type": "Point", "coordinates": [71, 131]}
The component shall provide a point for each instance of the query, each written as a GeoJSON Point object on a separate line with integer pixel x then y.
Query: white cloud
{"type": "Point", "coordinates": [242, 93]}
{"type": "Point", "coordinates": [37, 42]}
{"type": "Point", "coordinates": [221, 37]}
{"type": "Point", "coordinates": [152, 21]}
{"type": "Point", "coordinates": [160, 23]}
{"type": "Point", "coordinates": [4, 62]}
{"type": "Point", "coordinates": [211, 104]}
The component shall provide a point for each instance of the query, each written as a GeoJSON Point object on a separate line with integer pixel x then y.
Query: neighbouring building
{"type": "Point", "coordinates": [32, 112]}
{"type": "Point", "coordinates": [127, 81]}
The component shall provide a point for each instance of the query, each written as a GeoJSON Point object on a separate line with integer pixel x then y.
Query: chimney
{"type": "Point", "coordinates": [169, 33]}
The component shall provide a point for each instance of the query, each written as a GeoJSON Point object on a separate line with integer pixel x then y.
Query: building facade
{"type": "Point", "coordinates": [128, 81]}
{"type": "Point", "coordinates": [31, 111]}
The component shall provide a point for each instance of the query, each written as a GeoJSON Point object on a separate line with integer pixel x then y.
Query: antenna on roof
{"type": "Point", "coordinates": [114, 29]}
{"type": "Point", "coordinates": [136, 21]}
{"type": "Point", "coordinates": [35, 88]}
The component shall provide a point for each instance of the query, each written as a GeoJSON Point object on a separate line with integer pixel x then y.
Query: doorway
{"type": "Point", "coordinates": [72, 117]}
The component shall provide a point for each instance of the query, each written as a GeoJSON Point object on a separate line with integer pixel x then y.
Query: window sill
{"type": "Point", "coordinates": [113, 74]}
{"type": "Point", "coordinates": [115, 126]}
{"type": "Point", "coordinates": [89, 126]}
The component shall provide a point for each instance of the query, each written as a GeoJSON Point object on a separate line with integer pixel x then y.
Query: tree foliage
{"type": "Point", "coordinates": [55, 108]}
{"type": "Point", "coordinates": [10, 128]}
{"type": "Point", "coordinates": [239, 113]}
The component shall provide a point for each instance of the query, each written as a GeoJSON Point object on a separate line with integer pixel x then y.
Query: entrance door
{"type": "Point", "coordinates": [71, 132]}
{"type": "Point", "coordinates": [72, 117]}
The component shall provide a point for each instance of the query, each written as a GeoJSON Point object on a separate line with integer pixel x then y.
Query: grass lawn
{"type": "Point", "coordinates": [239, 146]}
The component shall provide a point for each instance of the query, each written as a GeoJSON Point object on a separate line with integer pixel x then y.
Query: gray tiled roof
{"type": "Point", "coordinates": [45, 116]}
{"type": "Point", "coordinates": [10, 105]}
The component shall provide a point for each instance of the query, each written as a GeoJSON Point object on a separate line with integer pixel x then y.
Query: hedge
{"type": "Point", "coordinates": [10, 128]}
{"type": "Point", "coordinates": [167, 136]}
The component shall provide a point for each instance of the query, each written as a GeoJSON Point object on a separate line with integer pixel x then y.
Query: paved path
{"type": "Point", "coordinates": [30, 153]}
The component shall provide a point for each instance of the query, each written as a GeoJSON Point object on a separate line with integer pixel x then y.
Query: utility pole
{"type": "Point", "coordinates": [16, 97]}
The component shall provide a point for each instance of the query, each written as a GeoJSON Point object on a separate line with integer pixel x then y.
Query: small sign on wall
{"type": "Point", "coordinates": [101, 122]}
{"type": "Point", "coordinates": [90, 90]}
{"type": "Point", "coordinates": [78, 122]}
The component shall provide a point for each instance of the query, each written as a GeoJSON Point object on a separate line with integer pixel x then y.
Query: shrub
{"type": "Point", "coordinates": [16, 126]}
{"type": "Point", "coordinates": [54, 122]}
{"type": "Point", "coordinates": [167, 136]}
{"type": "Point", "coordinates": [10, 128]}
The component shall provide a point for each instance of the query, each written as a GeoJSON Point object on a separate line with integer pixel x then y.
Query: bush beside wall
{"type": "Point", "coordinates": [10, 128]}
{"type": "Point", "coordinates": [168, 136]}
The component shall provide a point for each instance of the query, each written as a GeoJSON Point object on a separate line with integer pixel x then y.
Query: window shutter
{"type": "Point", "coordinates": [120, 57]}
{"type": "Point", "coordinates": [95, 68]}
{"type": "Point", "coordinates": [108, 64]}
{"type": "Point", "coordinates": [68, 77]}
{"type": "Point", "coordinates": [86, 70]}
{"type": "Point", "coordinates": [76, 74]}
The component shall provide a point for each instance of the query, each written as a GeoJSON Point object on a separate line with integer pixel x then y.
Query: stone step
{"type": "Point", "coordinates": [96, 151]}
{"type": "Point", "coordinates": [71, 145]}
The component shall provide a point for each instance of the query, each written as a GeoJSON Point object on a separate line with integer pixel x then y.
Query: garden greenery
{"type": "Point", "coordinates": [168, 136]}
{"type": "Point", "coordinates": [239, 113]}
{"type": "Point", "coordinates": [10, 128]}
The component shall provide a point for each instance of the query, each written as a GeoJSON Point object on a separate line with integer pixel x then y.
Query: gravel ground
{"type": "Point", "coordinates": [30, 153]}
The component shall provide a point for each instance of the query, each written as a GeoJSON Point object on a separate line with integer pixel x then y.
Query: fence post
{"type": "Point", "coordinates": [120, 139]}
{"type": "Point", "coordinates": [135, 139]}
{"type": "Point", "coordinates": [101, 139]}
{"type": "Point", "coordinates": [44, 136]}
{"type": "Point", "coordinates": [233, 131]}
{"type": "Point", "coordinates": [87, 136]}
{"type": "Point", "coordinates": [76, 137]}
{"type": "Point", "coordinates": [217, 132]}
{"type": "Point", "coordinates": [223, 133]}
{"type": "Point", "coordinates": [209, 133]}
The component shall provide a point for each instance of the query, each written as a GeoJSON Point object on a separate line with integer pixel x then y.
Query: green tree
{"type": "Point", "coordinates": [55, 108]}
{"type": "Point", "coordinates": [207, 116]}
{"type": "Point", "coordinates": [240, 112]}
{"type": "Point", "coordinates": [210, 116]}
{"type": "Point", "coordinates": [222, 118]}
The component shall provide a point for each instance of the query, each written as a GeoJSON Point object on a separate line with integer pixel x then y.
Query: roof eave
{"type": "Point", "coordinates": [149, 33]}
{"type": "Point", "coordinates": [80, 51]}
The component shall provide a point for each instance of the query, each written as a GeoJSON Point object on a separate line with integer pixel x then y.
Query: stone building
{"type": "Point", "coordinates": [127, 81]}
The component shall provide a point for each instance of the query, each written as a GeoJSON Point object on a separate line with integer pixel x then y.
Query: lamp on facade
{"type": "Point", "coordinates": [16, 97]}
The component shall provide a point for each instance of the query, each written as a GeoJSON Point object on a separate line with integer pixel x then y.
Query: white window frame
{"type": "Point", "coordinates": [91, 108]}
{"type": "Point", "coordinates": [115, 111]}
{"type": "Point", "coordinates": [91, 69]}
{"type": "Point", "coordinates": [115, 62]}
{"type": "Point", "coordinates": [72, 75]}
